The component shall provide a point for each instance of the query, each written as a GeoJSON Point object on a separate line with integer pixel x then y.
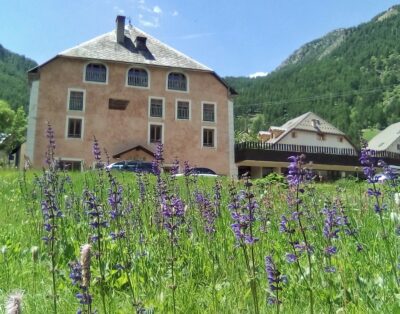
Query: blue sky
{"type": "Point", "coordinates": [232, 37]}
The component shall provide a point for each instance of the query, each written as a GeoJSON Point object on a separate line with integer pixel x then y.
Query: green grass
{"type": "Point", "coordinates": [210, 271]}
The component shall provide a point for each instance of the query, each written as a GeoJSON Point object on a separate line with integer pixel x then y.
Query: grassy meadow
{"type": "Point", "coordinates": [161, 244]}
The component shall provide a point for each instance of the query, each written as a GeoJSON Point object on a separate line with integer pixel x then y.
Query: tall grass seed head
{"type": "Point", "coordinates": [14, 303]}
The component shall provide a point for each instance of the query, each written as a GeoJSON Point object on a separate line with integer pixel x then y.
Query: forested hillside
{"type": "Point", "coordinates": [13, 78]}
{"type": "Point", "coordinates": [351, 77]}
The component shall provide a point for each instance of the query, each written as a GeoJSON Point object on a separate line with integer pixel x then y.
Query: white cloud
{"type": "Point", "coordinates": [258, 74]}
{"type": "Point", "coordinates": [157, 10]}
{"type": "Point", "coordinates": [153, 22]}
{"type": "Point", "coordinates": [175, 13]}
{"type": "Point", "coordinates": [119, 10]}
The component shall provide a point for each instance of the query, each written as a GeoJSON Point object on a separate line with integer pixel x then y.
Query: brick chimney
{"type": "Point", "coordinates": [120, 29]}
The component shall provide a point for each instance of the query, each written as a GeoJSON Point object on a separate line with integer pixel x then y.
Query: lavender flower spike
{"type": "Point", "coordinates": [274, 279]}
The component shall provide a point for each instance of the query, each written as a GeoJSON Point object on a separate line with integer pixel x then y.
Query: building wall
{"type": "Point", "coordinates": [119, 130]}
{"type": "Point", "coordinates": [312, 139]}
{"type": "Point", "coordinates": [394, 147]}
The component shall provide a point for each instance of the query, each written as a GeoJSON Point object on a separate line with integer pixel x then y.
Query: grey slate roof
{"type": "Point", "coordinates": [106, 48]}
{"type": "Point", "coordinates": [384, 139]}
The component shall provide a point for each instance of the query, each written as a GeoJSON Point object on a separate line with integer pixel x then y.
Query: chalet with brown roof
{"type": "Point", "coordinates": [328, 149]}
{"type": "Point", "coordinates": [131, 91]}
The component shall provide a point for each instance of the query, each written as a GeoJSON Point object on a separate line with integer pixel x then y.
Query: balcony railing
{"type": "Point", "coordinates": [177, 84]}
{"type": "Point", "coordinates": [96, 75]}
{"type": "Point", "coordinates": [302, 149]}
{"type": "Point", "coordinates": [318, 154]}
{"type": "Point", "coordinates": [138, 80]}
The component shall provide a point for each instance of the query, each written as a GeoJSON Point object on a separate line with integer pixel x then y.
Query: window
{"type": "Point", "coordinates": [209, 112]}
{"type": "Point", "coordinates": [182, 110]}
{"type": "Point", "coordinates": [294, 135]}
{"type": "Point", "coordinates": [208, 137]}
{"type": "Point", "coordinates": [96, 72]}
{"type": "Point", "coordinates": [138, 77]}
{"type": "Point", "coordinates": [156, 108]}
{"type": "Point", "coordinates": [398, 146]}
{"type": "Point", "coordinates": [70, 165]}
{"type": "Point", "coordinates": [156, 135]}
{"type": "Point", "coordinates": [76, 100]}
{"type": "Point", "coordinates": [74, 128]}
{"type": "Point", "coordinates": [177, 81]}
{"type": "Point", "coordinates": [340, 139]}
{"type": "Point", "coordinates": [321, 137]}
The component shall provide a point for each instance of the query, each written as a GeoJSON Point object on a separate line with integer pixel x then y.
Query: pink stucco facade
{"type": "Point", "coordinates": [120, 130]}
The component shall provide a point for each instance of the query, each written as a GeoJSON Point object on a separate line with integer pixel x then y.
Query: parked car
{"type": "Point", "coordinates": [382, 177]}
{"type": "Point", "coordinates": [116, 165]}
{"type": "Point", "coordinates": [132, 165]}
{"type": "Point", "coordinates": [139, 166]}
{"type": "Point", "coordinates": [200, 171]}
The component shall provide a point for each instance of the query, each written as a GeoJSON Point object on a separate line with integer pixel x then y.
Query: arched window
{"type": "Point", "coordinates": [177, 81]}
{"type": "Point", "coordinates": [96, 72]}
{"type": "Point", "coordinates": [138, 77]}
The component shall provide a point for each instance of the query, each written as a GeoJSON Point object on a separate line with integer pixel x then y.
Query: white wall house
{"type": "Point", "coordinates": [307, 129]}
{"type": "Point", "coordinates": [387, 140]}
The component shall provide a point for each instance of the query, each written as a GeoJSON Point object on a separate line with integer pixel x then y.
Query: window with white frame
{"type": "Point", "coordinates": [208, 137]}
{"type": "Point", "coordinates": [182, 110]}
{"type": "Point", "coordinates": [70, 165]}
{"type": "Point", "coordinates": [74, 127]}
{"type": "Point", "coordinates": [156, 108]}
{"type": "Point", "coordinates": [76, 100]}
{"type": "Point", "coordinates": [209, 112]}
{"type": "Point", "coordinates": [96, 72]}
{"type": "Point", "coordinates": [155, 133]}
{"type": "Point", "coordinates": [177, 81]}
{"type": "Point", "coordinates": [138, 77]}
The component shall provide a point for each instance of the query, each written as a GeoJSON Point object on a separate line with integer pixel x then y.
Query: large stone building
{"type": "Point", "coordinates": [131, 91]}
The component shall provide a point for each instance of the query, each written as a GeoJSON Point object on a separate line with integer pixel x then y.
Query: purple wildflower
{"type": "Point", "coordinates": [51, 146]}
{"type": "Point", "coordinates": [96, 150]}
{"type": "Point", "coordinates": [331, 223]}
{"type": "Point", "coordinates": [284, 225]}
{"type": "Point", "coordinates": [173, 211]}
{"type": "Point", "coordinates": [158, 160]}
{"type": "Point", "coordinates": [175, 168]}
{"type": "Point", "coordinates": [274, 280]}
{"type": "Point", "coordinates": [330, 269]}
{"type": "Point", "coordinates": [297, 173]}
{"type": "Point", "coordinates": [242, 209]}
{"type": "Point", "coordinates": [207, 212]}
{"type": "Point", "coordinates": [291, 258]}
{"type": "Point", "coordinates": [368, 162]}
{"type": "Point", "coordinates": [330, 250]}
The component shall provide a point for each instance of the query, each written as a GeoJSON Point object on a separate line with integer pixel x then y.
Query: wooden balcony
{"type": "Point", "coordinates": [267, 152]}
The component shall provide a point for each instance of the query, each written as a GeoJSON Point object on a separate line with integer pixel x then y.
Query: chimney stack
{"type": "Point", "coordinates": [140, 43]}
{"type": "Point", "coordinates": [120, 29]}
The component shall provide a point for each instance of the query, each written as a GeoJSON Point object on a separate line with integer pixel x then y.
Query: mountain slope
{"type": "Point", "coordinates": [13, 78]}
{"type": "Point", "coordinates": [351, 77]}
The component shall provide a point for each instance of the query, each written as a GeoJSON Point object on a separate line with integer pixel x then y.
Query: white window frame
{"type": "Point", "coordinates": [176, 109]}
{"type": "Point", "coordinates": [84, 98]}
{"type": "Point", "coordinates": [71, 159]}
{"type": "Point", "coordinates": [92, 82]}
{"type": "Point", "coordinates": [67, 125]}
{"type": "Point", "coordinates": [162, 132]}
{"type": "Point", "coordinates": [163, 107]}
{"type": "Point", "coordinates": [175, 90]}
{"type": "Point", "coordinates": [215, 111]}
{"type": "Point", "coordinates": [202, 137]}
{"type": "Point", "coordinates": [133, 86]}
